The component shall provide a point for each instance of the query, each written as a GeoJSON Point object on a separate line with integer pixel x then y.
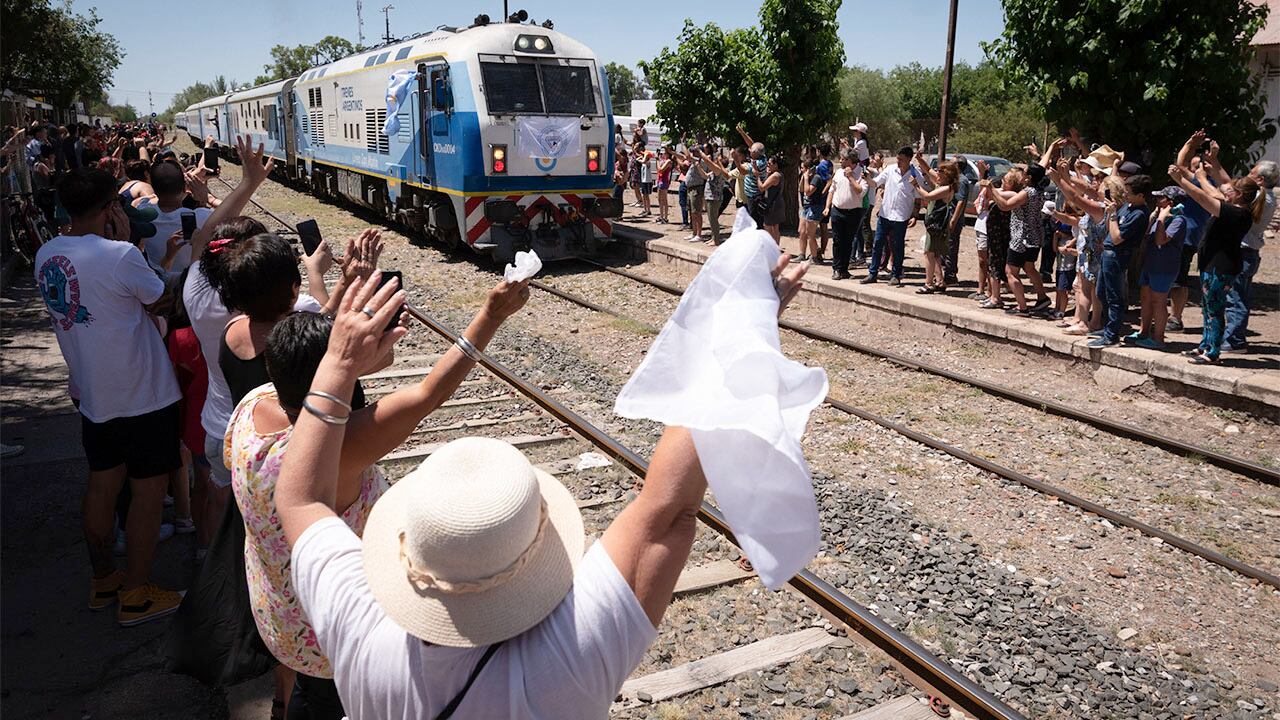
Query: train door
{"type": "Point", "coordinates": [436, 100]}
{"type": "Point", "coordinates": [287, 132]}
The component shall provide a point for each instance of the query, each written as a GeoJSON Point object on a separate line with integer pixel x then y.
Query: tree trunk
{"type": "Point", "coordinates": [791, 190]}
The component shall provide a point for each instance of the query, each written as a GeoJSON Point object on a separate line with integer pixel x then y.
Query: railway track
{"type": "Point", "coordinates": [1242, 466]}
{"type": "Point", "coordinates": [554, 436]}
{"type": "Point", "coordinates": [990, 466]}
{"type": "Point", "coordinates": [697, 641]}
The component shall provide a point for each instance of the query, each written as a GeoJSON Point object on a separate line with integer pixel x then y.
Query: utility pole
{"type": "Point", "coordinates": [360, 22]}
{"type": "Point", "coordinates": [506, 11]}
{"type": "Point", "coordinates": [151, 107]}
{"type": "Point", "coordinates": [946, 84]}
{"type": "Point", "coordinates": [386, 12]}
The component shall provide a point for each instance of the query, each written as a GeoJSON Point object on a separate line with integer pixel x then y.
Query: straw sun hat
{"type": "Point", "coordinates": [474, 546]}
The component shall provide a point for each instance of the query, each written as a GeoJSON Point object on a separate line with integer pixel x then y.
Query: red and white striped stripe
{"type": "Point", "coordinates": [477, 225]}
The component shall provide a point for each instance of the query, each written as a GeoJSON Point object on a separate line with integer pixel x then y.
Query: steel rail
{"type": "Point", "coordinates": [946, 680]}
{"type": "Point", "coordinates": [258, 205]}
{"type": "Point", "coordinates": [1003, 471]}
{"type": "Point", "coordinates": [1239, 465]}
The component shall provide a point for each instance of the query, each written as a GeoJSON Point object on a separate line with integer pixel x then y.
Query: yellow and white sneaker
{"type": "Point", "coordinates": [146, 603]}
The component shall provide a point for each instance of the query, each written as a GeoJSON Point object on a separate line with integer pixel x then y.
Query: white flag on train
{"type": "Point", "coordinates": [548, 137]}
{"type": "Point", "coordinates": [717, 368]}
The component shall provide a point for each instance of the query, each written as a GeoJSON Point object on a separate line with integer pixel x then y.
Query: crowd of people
{"type": "Point", "coordinates": [203, 373]}
{"type": "Point", "coordinates": [1073, 236]}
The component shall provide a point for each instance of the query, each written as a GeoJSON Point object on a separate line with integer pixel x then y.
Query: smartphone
{"type": "Point", "coordinates": [386, 278]}
{"type": "Point", "coordinates": [188, 225]}
{"type": "Point", "coordinates": [211, 160]}
{"type": "Point", "coordinates": [309, 233]}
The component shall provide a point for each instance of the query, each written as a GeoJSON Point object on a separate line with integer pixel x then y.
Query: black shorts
{"type": "Point", "coordinates": [147, 445]}
{"type": "Point", "coordinates": [1184, 268]}
{"type": "Point", "coordinates": [1020, 258]}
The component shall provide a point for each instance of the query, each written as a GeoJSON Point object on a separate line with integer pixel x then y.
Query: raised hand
{"type": "Point", "coordinates": [361, 258]}
{"type": "Point", "coordinates": [786, 280]}
{"type": "Point", "coordinates": [251, 161]}
{"type": "Point", "coordinates": [319, 262]}
{"type": "Point", "coordinates": [357, 341]}
{"type": "Point", "coordinates": [506, 299]}
{"type": "Point", "coordinates": [196, 185]}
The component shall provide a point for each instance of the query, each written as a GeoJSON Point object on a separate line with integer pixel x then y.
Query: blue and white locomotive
{"type": "Point", "coordinates": [501, 136]}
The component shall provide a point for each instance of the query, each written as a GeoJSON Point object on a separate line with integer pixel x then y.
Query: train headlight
{"type": "Point", "coordinates": [593, 158]}
{"type": "Point", "coordinates": [539, 44]}
{"type": "Point", "coordinates": [498, 159]}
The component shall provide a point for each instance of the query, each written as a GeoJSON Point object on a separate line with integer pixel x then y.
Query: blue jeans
{"type": "Point", "coordinates": [1111, 292]}
{"type": "Point", "coordinates": [895, 232]}
{"type": "Point", "coordinates": [1238, 299]}
{"type": "Point", "coordinates": [684, 204]}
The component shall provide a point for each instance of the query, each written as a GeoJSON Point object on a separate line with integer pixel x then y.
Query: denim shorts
{"type": "Point", "coordinates": [812, 214]}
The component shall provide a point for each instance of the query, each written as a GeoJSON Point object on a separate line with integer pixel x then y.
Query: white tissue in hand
{"type": "Point", "coordinates": [717, 368]}
{"type": "Point", "coordinates": [527, 265]}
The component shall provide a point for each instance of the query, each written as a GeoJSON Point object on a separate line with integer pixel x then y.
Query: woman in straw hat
{"type": "Point", "coordinates": [259, 435]}
{"type": "Point", "coordinates": [476, 559]}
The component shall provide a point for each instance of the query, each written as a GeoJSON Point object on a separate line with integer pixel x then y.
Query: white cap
{"type": "Point", "coordinates": [860, 127]}
{"type": "Point", "coordinates": [1049, 207]}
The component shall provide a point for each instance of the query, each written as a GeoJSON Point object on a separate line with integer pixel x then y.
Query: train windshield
{"type": "Point", "coordinates": [568, 90]}
{"type": "Point", "coordinates": [538, 89]}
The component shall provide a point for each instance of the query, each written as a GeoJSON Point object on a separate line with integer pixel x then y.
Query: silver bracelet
{"type": "Point", "coordinates": [331, 398]}
{"type": "Point", "coordinates": [467, 348]}
{"type": "Point", "coordinates": [324, 416]}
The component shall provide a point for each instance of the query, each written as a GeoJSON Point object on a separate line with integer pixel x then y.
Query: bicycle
{"type": "Point", "coordinates": [28, 227]}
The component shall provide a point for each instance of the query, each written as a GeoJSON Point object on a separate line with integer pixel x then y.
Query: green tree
{"type": "Point", "coordinates": [54, 51]}
{"type": "Point", "coordinates": [700, 85]}
{"type": "Point", "coordinates": [776, 79]}
{"type": "Point", "coordinates": [1140, 75]}
{"type": "Point", "coordinates": [869, 96]}
{"type": "Point", "coordinates": [192, 94]}
{"type": "Point", "coordinates": [287, 62]}
{"type": "Point", "coordinates": [624, 86]}
{"type": "Point", "coordinates": [121, 113]}
{"type": "Point", "coordinates": [998, 128]}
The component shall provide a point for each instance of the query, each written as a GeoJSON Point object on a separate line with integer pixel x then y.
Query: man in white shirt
{"type": "Point", "coordinates": [898, 205]}
{"type": "Point", "coordinates": [170, 185]}
{"type": "Point", "coordinates": [470, 590]}
{"type": "Point", "coordinates": [844, 207]}
{"type": "Point", "coordinates": [98, 291]}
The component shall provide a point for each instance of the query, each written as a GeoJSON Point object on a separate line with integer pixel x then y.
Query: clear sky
{"type": "Point", "coordinates": [232, 37]}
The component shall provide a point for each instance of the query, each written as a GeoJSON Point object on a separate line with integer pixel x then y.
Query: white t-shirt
{"type": "Point", "coordinates": [860, 147]}
{"type": "Point", "coordinates": [209, 317]}
{"type": "Point", "coordinates": [168, 223]}
{"type": "Point", "coordinates": [571, 665]}
{"type": "Point", "coordinates": [95, 290]}
{"type": "Point", "coordinates": [844, 196]}
{"type": "Point", "coordinates": [898, 201]}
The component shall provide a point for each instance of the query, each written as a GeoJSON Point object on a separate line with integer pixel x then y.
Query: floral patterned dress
{"type": "Point", "coordinates": [254, 459]}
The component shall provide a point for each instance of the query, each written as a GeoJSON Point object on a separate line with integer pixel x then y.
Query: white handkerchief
{"type": "Point", "coordinates": [717, 368]}
{"type": "Point", "coordinates": [527, 265]}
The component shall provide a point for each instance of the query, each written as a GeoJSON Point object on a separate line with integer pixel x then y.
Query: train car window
{"type": "Point", "coordinates": [511, 87]}
{"type": "Point", "coordinates": [568, 90]}
{"type": "Point", "coordinates": [383, 57]}
{"type": "Point", "coordinates": [369, 61]}
{"type": "Point", "coordinates": [322, 72]}
{"type": "Point", "coordinates": [404, 52]}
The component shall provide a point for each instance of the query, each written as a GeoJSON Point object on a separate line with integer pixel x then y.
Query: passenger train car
{"type": "Point", "coordinates": [505, 136]}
